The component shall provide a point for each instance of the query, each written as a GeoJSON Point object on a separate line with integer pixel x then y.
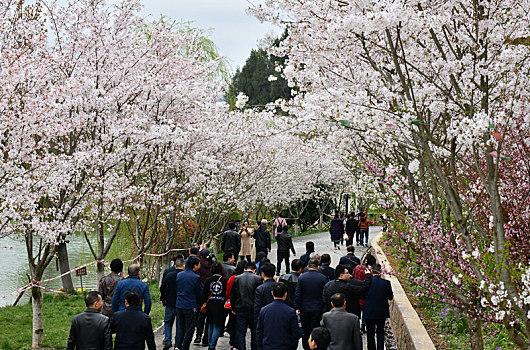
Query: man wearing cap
{"type": "Point", "coordinates": [262, 238]}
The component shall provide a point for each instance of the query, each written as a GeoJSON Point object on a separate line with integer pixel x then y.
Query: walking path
{"type": "Point", "coordinates": [323, 245]}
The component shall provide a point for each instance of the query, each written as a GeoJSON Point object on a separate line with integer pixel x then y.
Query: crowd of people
{"type": "Point", "coordinates": [345, 230]}
{"type": "Point", "coordinates": [324, 307]}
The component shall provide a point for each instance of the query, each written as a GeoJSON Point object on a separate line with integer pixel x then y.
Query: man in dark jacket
{"type": "Point", "coordinates": [90, 329]}
{"type": "Point", "coordinates": [309, 248]}
{"type": "Point", "coordinates": [376, 309]}
{"type": "Point", "coordinates": [291, 280]}
{"type": "Point", "coordinates": [353, 290]}
{"type": "Point", "coordinates": [308, 299]}
{"type": "Point", "coordinates": [108, 284]}
{"type": "Point", "coordinates": [336, 230]}
{"type": "Point", "coordinates": [188, 296]}
{"type": "Point", "coordinates": [343, 326]}
{"type": "Point", "coordinates": [168, 297]}
{"type": "Point", "coordinates": [133, 281]}
{"type": "Point", "coordinates": [231, 241]}
{"type": "Point", "coordinates": [351, 228]}
{"type": "Point", "coordinates": [325, 269]}
{"type": "Point", "coordinates": [278, 326]}
{"type": "Point", "coordinates": [263, 294]}
{"type": "Point", "coordinates": [285, 243]}
{"type": "Point", "coordinates": [172, 267]}
{"type": "Point", "coordinates": [242, 301]}
{"type": "Point", "coordinates": [350, 259]}
{"type": "Point", "coordinates": [204, 273]}
{"type": "Point", "coordinates": [229, 265]}
{"type": "Point", "coordinates": [133, 328]}
{"type": "Point", "coordinates": [262, 238]}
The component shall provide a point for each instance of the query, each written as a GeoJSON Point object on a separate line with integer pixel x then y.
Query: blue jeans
{"type": "Point", "coordinates": [187, 322]}
{"type": "Point", "coordinates": [213, 334]}
{"type": "Point", "coordinates": [169, 318]}
{"type": "Point", "coordinates": [373, 327]}
{"type": "Point", "coordinates": [364, 233]}
{"type": "Point", "coordinates": [246, 319]}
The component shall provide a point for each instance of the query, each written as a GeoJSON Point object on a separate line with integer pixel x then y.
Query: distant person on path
{"type": "Point", "coordinates": [325, 269]}
{"type": "Point", "coordinates": [291, 280]}
{"type": "Point", "coordinates": [168, 297]}
{"type": "Point", "coordinates": [319, 339]}
{"type": "Point", "coordinates": [262, 238]}
{"type": "Point", "coordinates": [376, 309]}
{"type": "Point", "coordinates": [90, 329]}
{"type": "Point", "coordinates": [215, 289]}
{"type": "Point", "coordinates": [343, 326]}
{"type": "Point", "coordinates": [353, 290]}
{"type": "Point", "coordinates": [350, 259]}
{"type": "Point", "coordinates": [336, 231]}
{"type": "Point", "coordinates": [285, 243]}
{"type": "Point", "coordinates": [278, 225]}
{"type": "Point", "coordinates": [133, 281]}
{"type": "Point", "coordinates": [108, 284]}
{"type": "Point", "coordinates": [309, 248]}
{"type": "Point", "coordinates": [231, 241]}
{"type": "Point", "coordinates": [229, 264]}
{"type": "Point", "coordinates": [245, 235]}
{"type": "Point", "coordinates": [278, 325]}
{"type": "Point", "coordinates": [263, 294]}
{"type": "Point", "coordinates": [351, 228]}
{"type": "Point", "coordinates": [308, 299]}
{"type": "Point", "coordinates": [364, 226]}
{"type": "Point", "coordinates": [188, 297]}
{"type": "Point", "coordinates": [133, 328]}
{"type": "Point", "coordinates": [242, 301]}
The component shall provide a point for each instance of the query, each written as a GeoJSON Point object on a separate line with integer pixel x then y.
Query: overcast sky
{"type": "Point", "coordinates": [234, 32]}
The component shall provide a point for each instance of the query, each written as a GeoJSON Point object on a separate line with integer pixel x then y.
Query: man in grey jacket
{"type": "Point", "coordinates": [343, 326]}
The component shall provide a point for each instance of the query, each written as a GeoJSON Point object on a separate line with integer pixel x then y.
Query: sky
{"type": "Point", "coordinates": [233, 31]}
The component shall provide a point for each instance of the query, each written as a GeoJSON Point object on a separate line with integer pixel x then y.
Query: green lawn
{"type": "Point", "coordinates": [15, 321]}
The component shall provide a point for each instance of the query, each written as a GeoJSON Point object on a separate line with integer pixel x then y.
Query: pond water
{"type": "Point", "coordinates": [14, 268]}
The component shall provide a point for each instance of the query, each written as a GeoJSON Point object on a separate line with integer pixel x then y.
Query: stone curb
{"type": "Point", "coordinates": [406, 324]}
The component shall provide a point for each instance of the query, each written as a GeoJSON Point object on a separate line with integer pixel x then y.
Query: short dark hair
{"type": "Point", "coordinates": [231, 225]}
{"type": "Point", "coordinates": [194, 250]}
{"type": "Point", "coordinates": [260, 256]}
{"type": "Point", "coordinates": [192, 262]}
{"type": "Point", "coordinates": [217, 268]}
{"type": "Point", "coordinates": [376, 269]}
{"type": "Point", "coordinates": [297, 264]}
{"type": "Point", "coordinates": [268, 269]}
{"type": "Point", "coordinates": [250, 266]}
{"type": "Point", "coordinates": [285, 228]}
{"type": "Point", "coordinates": [336, 216]}
{"type": "Point", "coordinates": [133, 298]}
{"type": "Point", "coordinates": [339, 270]}
{"type": "Point", "coordinates": [350, 249]}
{"type": "Point", "coordinates": [338, 299]}
{"type": "Point", "coordinates": [240, 266]}
{"type": "Point", "coordinates": [133, 270]}
{"type": "Point", "coordinates": [313, 263]}
{"type": "Point", "coordinates": [228, 255]}
{"type": "Point", "coordinates": [370, 259]}
{"type": "Point", "coordinates": [310, 246]}
{"type": "Point", "coordinates": [279, 289]}
{"type": "Point", "coordinates": [91, 298]}
{"type": "Point", "coordinates": [321, 336]}
{"type": "Point", "coordinates": [116, 265]}
{"type": "Point", "coordinates": [325, 258]}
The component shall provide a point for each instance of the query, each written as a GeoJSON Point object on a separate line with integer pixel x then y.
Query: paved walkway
{"type": "Point", "coordinates": [323, 245]}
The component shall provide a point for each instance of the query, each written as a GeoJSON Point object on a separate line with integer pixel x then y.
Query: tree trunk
{"type": "Point", "coordinates": [64, 266]}
{"type": "Point", "coordinates": [36, 302]}
{"type": "Point", "coordinates": [100, 273]}
{"type": "Point", "coordinates": [475, 334]}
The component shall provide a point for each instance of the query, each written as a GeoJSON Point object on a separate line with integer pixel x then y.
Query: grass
{"type": "Point", "coordinates": [16, 321]}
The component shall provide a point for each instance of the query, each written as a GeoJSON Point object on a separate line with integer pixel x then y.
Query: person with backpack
{"type": "Point", "coordinates": [364, 226]}
{"type": "Point", "coordinates": [285, 243]}
{"type": "Point", "coordinates": [350, 259]}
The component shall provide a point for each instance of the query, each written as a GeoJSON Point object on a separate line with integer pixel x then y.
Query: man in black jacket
{"type": "Point", "coordinates": [242, 301]}
{"type": "Point", "coordinates": [351, 228]}
{"type": "Point", "coordinates": [263, 295]}
{"type": "Point", "coordinates": [168, 297]}
{"type": "Point", "coordinates": [133, 328]}
{"type": "Point", "coordinates": [325, 269]}
{"type": "Point", "coordinates": [350, 259]}
{"type": "Point", "coordinates": [291, 280]}
{"type": "Point", "coordinates": [309, 248]}
{"type": "Point", "coordinates": [90, 329]}
{"type": "Point", "coordinates": [285, 242]}
{"type": "Point", "coordinates": [353, 290]}
{"type": "Point", "coordinates": [262, 238]}
{"type": "Point", "coordinates": [231, 241]}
